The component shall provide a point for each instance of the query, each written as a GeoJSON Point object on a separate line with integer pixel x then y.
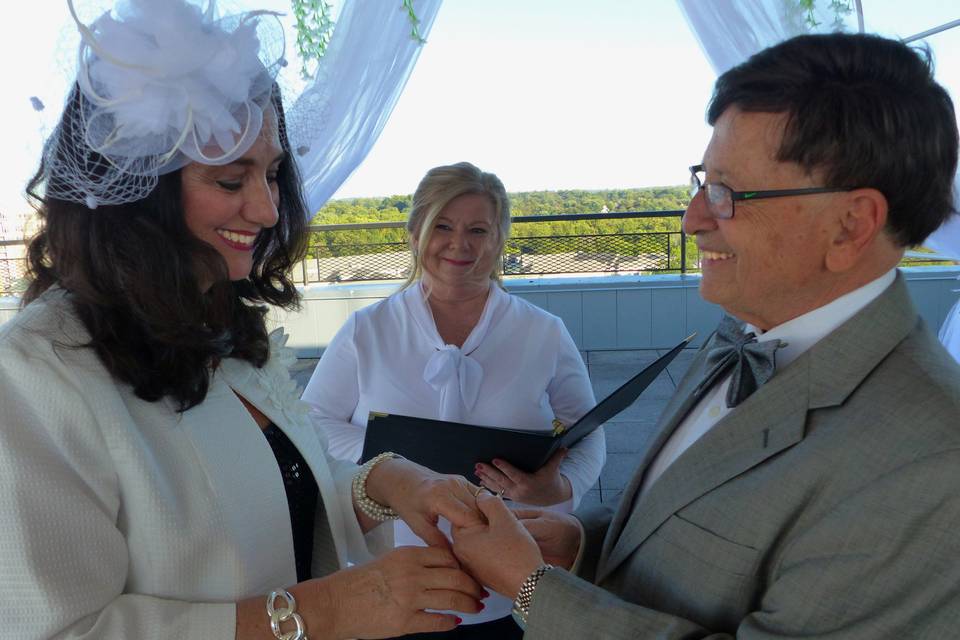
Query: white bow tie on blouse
{"type": "Point", "coordinates": [450, 369]}
{"type": "Point", "coordinates": [457, 377]}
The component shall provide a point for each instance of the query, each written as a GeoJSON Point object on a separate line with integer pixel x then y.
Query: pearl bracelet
{"type": "Point", "coordinates": [370, 507]}
{"type": "Point", "coordinates": [288, 611]}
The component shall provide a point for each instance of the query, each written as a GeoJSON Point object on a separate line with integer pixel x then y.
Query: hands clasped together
{"type": "Point", "coordinates": [492, 545]}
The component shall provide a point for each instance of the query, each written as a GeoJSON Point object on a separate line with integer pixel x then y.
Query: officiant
{"type": "Point", "coordinates": [453, 345]}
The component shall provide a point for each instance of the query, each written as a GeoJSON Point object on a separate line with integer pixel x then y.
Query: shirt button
{"type": "Point", "coordinates": [714, 411]}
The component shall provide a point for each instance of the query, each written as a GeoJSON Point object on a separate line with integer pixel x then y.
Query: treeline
{"type": "Point", "coordinates": [395, 208]}
{"type": "Point", "coordinates": [391, 208]}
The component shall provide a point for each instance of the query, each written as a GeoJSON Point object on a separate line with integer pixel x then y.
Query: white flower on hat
{"type": "Point", "coordinates": [162, 83]}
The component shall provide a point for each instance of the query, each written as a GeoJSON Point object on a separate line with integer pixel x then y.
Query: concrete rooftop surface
{"type": "Point", "coordinates": [627, 432]}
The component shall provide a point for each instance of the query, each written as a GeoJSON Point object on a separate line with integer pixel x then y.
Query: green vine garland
{"type": "Point", "coordinates": [315, 26]}
{"type": "Point", "coordinates": [841, 9]}
{"type": "Point", "coordinates": [414, 22]}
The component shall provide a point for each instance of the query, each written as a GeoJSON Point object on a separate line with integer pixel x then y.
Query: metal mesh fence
{"type": "Point", "coordinates": [356, 262]}
{"type": "Point", "coordinates": [377, 251]}
{"type": "Point", "coordinates": [597, 253]}
{"type": "Point", "coordinates": [13, 268]}
{"type": "Point", "coordinates": [632, 253]}
{"type": "Point", "coordinates": [530, 251]}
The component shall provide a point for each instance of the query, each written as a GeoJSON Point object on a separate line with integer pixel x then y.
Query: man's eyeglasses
{"type": "Point", "coordinates": [720, 197]}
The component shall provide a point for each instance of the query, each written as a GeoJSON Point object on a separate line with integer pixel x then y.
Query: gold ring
{"type": "Point", "coordinates": [476, 494]}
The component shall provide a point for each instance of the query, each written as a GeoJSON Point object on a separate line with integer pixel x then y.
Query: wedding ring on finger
{"type": "Point", "coordinates": [495, 494]}
{"type": "Point", "coordinates": [481, 489]}
{"type": "Point", "coordinates": [476, 494]}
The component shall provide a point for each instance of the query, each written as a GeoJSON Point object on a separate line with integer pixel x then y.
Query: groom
{"type": "Point", "coordinates": [826, 502]}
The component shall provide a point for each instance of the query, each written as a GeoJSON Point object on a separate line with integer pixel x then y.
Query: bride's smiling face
{"type": "Point", "coordinates": [228, 206]}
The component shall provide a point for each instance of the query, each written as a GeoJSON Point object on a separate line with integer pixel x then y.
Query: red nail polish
{"type": "Point", "coordinates": [458, 619]}
{"type": "Point", "coordinates": [482, 606]}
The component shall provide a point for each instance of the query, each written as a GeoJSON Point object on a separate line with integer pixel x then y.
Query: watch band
{"type": "Point", "coordinates": [521, 606]}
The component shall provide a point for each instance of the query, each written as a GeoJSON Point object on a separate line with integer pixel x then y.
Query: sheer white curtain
{"type": "Point", "coordinates": [730, 31]}
{"type": "Point", "coordinates": [359, 79]}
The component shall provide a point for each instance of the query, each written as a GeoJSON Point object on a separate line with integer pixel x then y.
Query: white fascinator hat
{"type": "Point", "coordinates": [160, 84]}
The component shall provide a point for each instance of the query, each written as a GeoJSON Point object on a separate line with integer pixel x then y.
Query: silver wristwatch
{"type": "Point", "coordinates": [521, 606]}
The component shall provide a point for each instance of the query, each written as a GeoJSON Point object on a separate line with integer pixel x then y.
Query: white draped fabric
{"type": "Point", "coordinates": [358, 81]}
{"type": "Point", "coordinates": [729, 31]}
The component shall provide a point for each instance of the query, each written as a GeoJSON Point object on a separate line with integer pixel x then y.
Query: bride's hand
{"type": "Point", "coordinates": [420, 496]}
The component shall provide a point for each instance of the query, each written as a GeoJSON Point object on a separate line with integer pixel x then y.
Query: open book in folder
{"type": "Point", "coordinates": [455, 447]}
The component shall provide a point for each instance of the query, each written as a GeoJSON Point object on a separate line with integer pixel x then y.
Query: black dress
{"type": "Point", "coordinates": [302, 493]}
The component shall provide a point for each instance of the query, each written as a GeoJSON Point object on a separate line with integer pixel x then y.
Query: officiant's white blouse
{"type": "Point", "coordinates": [518, 368]}
{"type": "Point", "coordinates": [121, 518]}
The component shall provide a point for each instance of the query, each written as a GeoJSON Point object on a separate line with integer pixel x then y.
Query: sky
{"type": "Point", "coordinates": [548, 94]}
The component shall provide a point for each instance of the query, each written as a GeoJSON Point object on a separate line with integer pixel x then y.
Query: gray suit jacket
{"type": "Point", "coordinates": [826, 505]}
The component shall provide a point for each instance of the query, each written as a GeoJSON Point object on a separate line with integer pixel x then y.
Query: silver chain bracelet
{"type": "Point", "coordinates": [287, 612]}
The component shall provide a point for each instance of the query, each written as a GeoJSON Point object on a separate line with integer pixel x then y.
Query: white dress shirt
{"type": "Point", "coordinates": [799, 334]}
{"type": "Point", "coordinates": [518, 368]}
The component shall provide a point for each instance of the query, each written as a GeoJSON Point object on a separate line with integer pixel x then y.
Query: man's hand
{"type": "Point", "coordinates": [499, 553]}
{"type": "Point", "coordinates": [558, 535]}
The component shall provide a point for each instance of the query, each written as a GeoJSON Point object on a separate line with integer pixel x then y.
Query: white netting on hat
{"type": "Point", "coordinates": [160, 83]}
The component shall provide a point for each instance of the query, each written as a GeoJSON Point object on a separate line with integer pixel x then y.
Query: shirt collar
{"type": "Point", "coordinates": [806, 330]}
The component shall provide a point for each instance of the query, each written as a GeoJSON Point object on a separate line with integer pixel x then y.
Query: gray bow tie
{"type": "Point", "coordinates": [753, 362]}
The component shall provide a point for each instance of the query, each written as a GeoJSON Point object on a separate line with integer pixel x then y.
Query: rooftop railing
{"type": "Point", "coordinates": [631, 242]}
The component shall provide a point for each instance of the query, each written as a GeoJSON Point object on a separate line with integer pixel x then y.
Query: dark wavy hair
{"type": "Point", "coordinates": [132, 272]}
{"type": "Point", "coordinates": [864, 110]}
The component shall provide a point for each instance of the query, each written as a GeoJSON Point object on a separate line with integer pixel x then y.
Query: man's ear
{"type": "Point", "coordinates": [856, 229]}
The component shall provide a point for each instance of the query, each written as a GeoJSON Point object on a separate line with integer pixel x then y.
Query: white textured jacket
{"type": "Point", "coordinates": [121, 518]}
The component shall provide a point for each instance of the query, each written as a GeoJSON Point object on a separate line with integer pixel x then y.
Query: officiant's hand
{"type": "Point", "coordinates": [545, 486]}
{"type": "Point", "coordinates": [420, 496]}
{"type": "Point", "coordinates": [558, 535]}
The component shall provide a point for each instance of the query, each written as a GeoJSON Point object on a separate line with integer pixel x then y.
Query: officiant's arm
{"type": "Point", "coordinates": [561, 487]}
{"type": "Point", "coordinates": [333, 394]}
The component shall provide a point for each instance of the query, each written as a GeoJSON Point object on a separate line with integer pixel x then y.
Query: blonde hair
{"type": "Point", "coordinates": [436, 190]}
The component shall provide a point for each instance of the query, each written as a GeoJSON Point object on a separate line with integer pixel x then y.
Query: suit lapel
{"type": "Point", "coordinates": [676, 409]}
{"type": "Point", "coordinates": [735, 444]}
{"type": "Point", "coordinates": [769, 421]}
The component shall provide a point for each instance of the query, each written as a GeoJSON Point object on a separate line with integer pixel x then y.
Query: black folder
{"type": "Point", "coordinates": [455, 447]}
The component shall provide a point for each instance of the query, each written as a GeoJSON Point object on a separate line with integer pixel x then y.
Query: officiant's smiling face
{"type": "Point", "coordinates": [462, 247]}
